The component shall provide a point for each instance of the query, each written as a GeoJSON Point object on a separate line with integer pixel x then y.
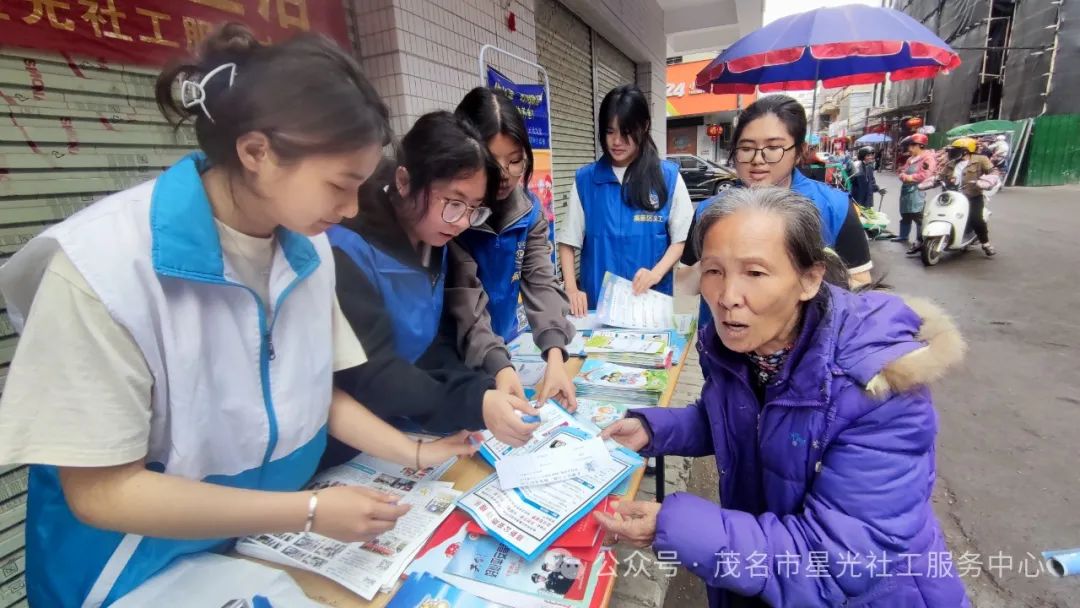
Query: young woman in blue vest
{"type": "Point", "coordinates": [173, 387]}
{"type": "Point", "coordinates": [509, 256]}
{"type": "Point", "coordinates": [768, 142]}
{"type": "Point", "coordinates": [629, 212]}
{"type": "Point", "coordinates": [391, 273]}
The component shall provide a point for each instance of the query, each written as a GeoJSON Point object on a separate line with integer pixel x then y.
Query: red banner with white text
{"type": "Point", "coordinates": [155, 31]}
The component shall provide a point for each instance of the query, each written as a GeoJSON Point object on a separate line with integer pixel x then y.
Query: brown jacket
{"type": "Point", "coordinates": [978, 166]}
{"type": "Point", "coordinates": [546, 304]}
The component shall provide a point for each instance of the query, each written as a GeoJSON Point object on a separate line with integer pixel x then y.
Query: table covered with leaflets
{"type": "Point", "coordinates": [456, 547]}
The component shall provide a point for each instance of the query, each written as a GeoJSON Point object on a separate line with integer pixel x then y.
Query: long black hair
{"type": "Point", "coordinates": [327, 107]}
{"type": "Point", "coordinates": [492, 113]}
{"type": "Point", "coordinates": [628, 106]}
{"type": "Point", "coordinates": [439, 146]}
{"type": "Point", "coordinates": [786, 109]}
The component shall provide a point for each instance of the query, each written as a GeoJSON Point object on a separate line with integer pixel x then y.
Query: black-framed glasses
{"type": "Point", "coordinates": [453, 210]}
{"type": "Point", "coordinates": [769, 154]}
{"type": "Point", "coordinates": [514, 168]}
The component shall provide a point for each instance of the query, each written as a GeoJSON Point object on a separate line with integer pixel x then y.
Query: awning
{"type": "Point", "coordinates": [915, 108]}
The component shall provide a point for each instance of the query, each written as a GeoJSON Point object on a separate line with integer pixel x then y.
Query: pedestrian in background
{"type": "Point", "coordinates": [863, 182]}
{"type": "Point", "coordinates": [968, 171]}
{"type": "Point", "coordinates": [920, 166]}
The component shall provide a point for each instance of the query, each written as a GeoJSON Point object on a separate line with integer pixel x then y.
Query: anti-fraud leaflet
{"type": "Point", "coordinates": [619, 307]}
{"type": "Point", "coordinates": [570, 453]}
{"type": "Point", "coordinates": [552, 418]}
{"type": "Point", "coordinates": [529, 519]}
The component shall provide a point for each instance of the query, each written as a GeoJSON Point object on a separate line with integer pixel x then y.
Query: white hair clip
{"type": "Point", "coordinates": [193, 93]}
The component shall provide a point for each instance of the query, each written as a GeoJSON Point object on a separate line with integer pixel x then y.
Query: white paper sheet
{"type": "Point", "coordinates": [619, 307]}
{"type": "Point", "coordinates": [541, 467]}
{"type": "Point", "coordinates": [530, 372]}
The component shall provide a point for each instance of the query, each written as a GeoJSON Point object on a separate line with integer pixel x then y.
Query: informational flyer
{"type": "Point", "coordinates": [619, 307]}
{"type": "Point", "coordinates": [553, 418]}
{"type": "Point", "coordinates": [529, 520]}
{"type": "Point", "coordinates": [567, 454]}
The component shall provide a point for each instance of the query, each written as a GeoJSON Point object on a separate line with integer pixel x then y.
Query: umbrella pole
{"type": "Point", "coordinates": [813, 106]}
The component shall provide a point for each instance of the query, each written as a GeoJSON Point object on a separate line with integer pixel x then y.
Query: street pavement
{"type": "Point", "coordinates": [1008, 483]}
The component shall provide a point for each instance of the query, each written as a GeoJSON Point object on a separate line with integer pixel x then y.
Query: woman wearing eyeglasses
{"type": "Point", "coordinates": [629, 212]}
{"type": "Point", "coordinates": [508, 258]}
{"type": "Point", "coordinates": [767, 145]}
{"type": "Point", "coordinates": [391, 264]}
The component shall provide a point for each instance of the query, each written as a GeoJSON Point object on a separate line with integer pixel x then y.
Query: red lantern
{"type": "Point", "coordinates": [914, 123]}
{"type": "Point", "coordinates": [715, 131]}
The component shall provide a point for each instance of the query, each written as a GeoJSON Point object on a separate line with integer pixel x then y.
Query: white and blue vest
{"type": "Point", "coordinates": [240, 398]}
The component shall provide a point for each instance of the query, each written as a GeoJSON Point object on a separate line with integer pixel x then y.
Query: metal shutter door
{"type": "Point", "coordinates": [564, 48]}
{"type": "Point", "coordinates": [77, 132]}
{"type": "Point", "coordinates": [613, 68]}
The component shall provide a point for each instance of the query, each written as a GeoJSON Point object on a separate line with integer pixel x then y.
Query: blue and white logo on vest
{"type": "Point", "coordinates": [519, 260]}
{"type": "Point", "coordinates": [651, 216]}
{"type": "Point", "coordinates": [654, 200]}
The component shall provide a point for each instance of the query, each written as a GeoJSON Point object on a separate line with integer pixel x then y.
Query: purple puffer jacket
{"type": "Point", "coordinates": [826, 489]}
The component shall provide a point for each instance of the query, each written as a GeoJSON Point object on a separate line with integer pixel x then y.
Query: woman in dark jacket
{"type": "Point", "coordinates": [391, 266]}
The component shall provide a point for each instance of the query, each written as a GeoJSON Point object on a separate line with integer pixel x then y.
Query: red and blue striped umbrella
{"type": "Point", "coordinates": [840, 46]}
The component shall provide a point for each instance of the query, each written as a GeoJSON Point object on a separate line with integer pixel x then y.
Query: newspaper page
{"type": "Point", "coordinates": [619, 307]}
{"type": "Point", "coordinates": [529, 519]}
{"type": "Point", "coordinates": [364, 568]}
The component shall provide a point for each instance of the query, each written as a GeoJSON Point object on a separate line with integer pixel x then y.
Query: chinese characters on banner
{"type": "Point", "coordinates": [531, 100]}
{"type": "Point", "coordinates": [155, 31]}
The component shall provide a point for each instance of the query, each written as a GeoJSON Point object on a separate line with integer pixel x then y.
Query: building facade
{"type": "Point", "coordinates": [1015, 60]}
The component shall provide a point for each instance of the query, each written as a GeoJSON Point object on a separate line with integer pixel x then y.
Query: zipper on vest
{"type": "Point", "coordinates": [270, 344]}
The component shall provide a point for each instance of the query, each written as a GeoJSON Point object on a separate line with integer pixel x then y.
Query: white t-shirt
{"type": "Point", "coordinates": [572, 230]}
{"type": "Point", "coordinates": [958, 171]}
{"type": "Point", "coordinates": [79, 391]}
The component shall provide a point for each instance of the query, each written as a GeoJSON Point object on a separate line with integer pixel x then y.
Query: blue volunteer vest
{"type": "Point", "coordinates": [499, 258]}
{"type": "Point", "coordinates": [409, 295]}
{"type": "Point", "coordinates": [258, 422]}
{"type": "Point", "coordinates": [833, 206]}
{"type": "Point", "coordinates": [618, 238]}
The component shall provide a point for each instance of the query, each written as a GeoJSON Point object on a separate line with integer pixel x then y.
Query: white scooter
{"type": "Point", "coordinates": [945, 219]}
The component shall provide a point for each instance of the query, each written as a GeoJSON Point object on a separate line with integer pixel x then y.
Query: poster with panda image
{"type": "Point", "coordinates": [558, 573]}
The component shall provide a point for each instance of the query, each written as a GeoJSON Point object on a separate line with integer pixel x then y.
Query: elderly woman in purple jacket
{"type": "Point", "coordinates": [817, 412]}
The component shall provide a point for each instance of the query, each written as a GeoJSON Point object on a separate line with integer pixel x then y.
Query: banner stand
{"type": "Point", "coordinates": [530, 104]}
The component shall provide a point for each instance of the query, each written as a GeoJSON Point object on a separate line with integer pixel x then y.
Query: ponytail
{"type": "Point", "coordinates": [306, 95]}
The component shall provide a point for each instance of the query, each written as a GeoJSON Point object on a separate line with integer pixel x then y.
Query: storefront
{"type": "Point", "coordinates": [690, 111]}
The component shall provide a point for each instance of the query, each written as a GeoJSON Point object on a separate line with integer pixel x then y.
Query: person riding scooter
{"type": "Point", "coordinates": [863, 182]}
{"type": "Point", "coordinates": [963, 169]}
{"type": "Point", "coordinates": [921, 165]}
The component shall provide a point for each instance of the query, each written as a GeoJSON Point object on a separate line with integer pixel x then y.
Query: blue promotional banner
{"type": "Point", "coordinates": [531, 101]}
